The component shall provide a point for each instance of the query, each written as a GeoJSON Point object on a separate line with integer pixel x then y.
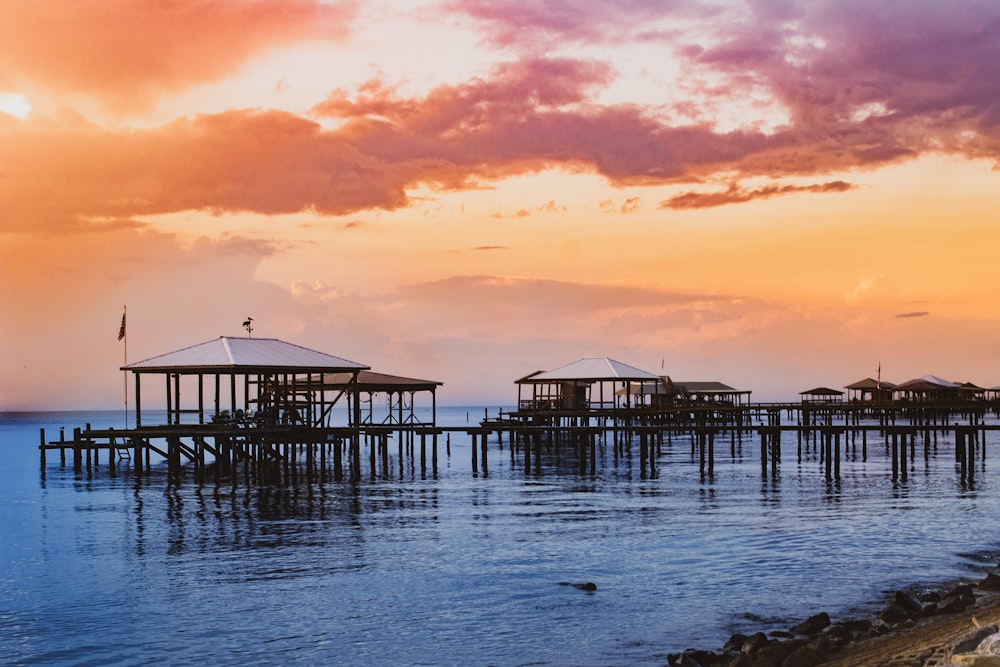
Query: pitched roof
{"type": "Point", "coordinates": [694, 388]}
{"type": "Point", "coordinates": [822, 391]}
{"type": "Point", "coordinates": [927, 383]}
{"type": "Point", "coordinates": [706, 387]}
{"type": "Point", "coordinates": [229, 355]}
{"type": "Point", "coordinates": [870, 383]}
{"type": "Point", "coordinates": [593, 369]}
{"type": "Point", "coordinates": [372, 381]}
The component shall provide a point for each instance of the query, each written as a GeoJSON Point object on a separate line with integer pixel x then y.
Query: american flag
{"type": "Point", "coordinates": [121, 329]}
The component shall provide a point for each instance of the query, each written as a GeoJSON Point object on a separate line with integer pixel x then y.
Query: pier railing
{"type": "Point", "coordinates": [276, 451]}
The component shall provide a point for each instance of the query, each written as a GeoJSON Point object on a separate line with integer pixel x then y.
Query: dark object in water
{"type": "Point", "coordinates": [589, 586]}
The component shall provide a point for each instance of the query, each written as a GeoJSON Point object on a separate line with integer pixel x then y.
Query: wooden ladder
{"type": "Point", "coordinates": [123, 451]}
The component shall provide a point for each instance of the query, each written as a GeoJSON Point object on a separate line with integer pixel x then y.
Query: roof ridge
{"type": "Point", "coordinates": [229, 350]}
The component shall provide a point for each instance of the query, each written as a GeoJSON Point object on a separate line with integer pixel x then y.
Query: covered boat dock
{"type": "Point", "coordinates": [264, 403]}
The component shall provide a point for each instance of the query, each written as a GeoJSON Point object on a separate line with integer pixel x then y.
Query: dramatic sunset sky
{"type": "Point", "coordinates": [776, 194]}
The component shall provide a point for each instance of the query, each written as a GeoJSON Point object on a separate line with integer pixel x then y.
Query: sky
{"type": "Point", "coordinates": [774, 194]}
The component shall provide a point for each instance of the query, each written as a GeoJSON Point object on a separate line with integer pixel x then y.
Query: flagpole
{"type": "Point", "coordinates": [125, 362]}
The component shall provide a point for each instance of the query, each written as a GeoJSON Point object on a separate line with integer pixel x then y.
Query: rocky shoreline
{"type": "Point", "coordinates": [956, 627]}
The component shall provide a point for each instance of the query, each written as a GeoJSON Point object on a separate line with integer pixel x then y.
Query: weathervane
{"type": "Point", "coordinates": [248, 325]}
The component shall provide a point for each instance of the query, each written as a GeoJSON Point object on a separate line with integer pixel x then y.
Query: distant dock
{"type": "Point", "coordinates": [267, 411]}
{"type": "Point", "coordinates": [279, 453]}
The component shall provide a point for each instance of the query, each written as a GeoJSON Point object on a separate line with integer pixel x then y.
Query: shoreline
{"type": "Point", "coordinates": [928, 631]}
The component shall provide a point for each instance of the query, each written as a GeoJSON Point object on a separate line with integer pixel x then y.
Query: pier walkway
{"type": "Point", "coordinates": [272, 453]}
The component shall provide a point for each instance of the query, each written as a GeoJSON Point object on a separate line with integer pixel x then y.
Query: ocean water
{"type": "Point", "coordinates": [455, 568]}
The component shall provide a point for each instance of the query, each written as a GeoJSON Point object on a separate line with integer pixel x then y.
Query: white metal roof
{"type": "Point", "coordinates": [927, 383]}
{"type": "Point", "coordinates": [694, 387]}
{"type": "Point", "coordinates": [370, 380]}
{"type": "Point", "coordinates": [934, 379]}
{"type": "Point", "coordinates": [226, 354]}
{"type": "Point", "coordinates": [593, 369]}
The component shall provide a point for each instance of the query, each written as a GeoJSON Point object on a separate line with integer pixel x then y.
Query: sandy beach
{"type": "Point", "coordinates": [930, 642]}
{"type": "Point", "coordinates": [944, 632]}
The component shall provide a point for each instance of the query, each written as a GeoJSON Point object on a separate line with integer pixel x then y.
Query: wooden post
{"type": "Point", "coordinates": [91, 445]}
{"type": "Point", "coordinates": [41, 446]}
{"type": "Point", "coordinates": [592, 443]}
{"type": "Point", "coordinates": [356, 456]}
{"type": "Point", "coordinates": [475, 455]}
{"type": "Point", "coordinates": [895, 454]}
{"type": "Point", "coordinates": [423, 452]}
{"type": "Point", "coordinates": [77, 454]}
{"type": "Point", "coordinates": [484, 445]}
{"type": "Point", "coordinates": [338, 472]}
{"type": "Point", "coordinates": [960, 451]}
{"type": "Point", "coordinates": [711, 452]}
{"type": "Point", "coordinates": [763, 452]}
{"type": "Point", "coordinates": [828, 452]}
{"type": "Point", "coordinates": [971, 441]}
{"type": "Point", "coordinates": [322, 459]}
{"type": "Point", "coordinates": [836, 455]}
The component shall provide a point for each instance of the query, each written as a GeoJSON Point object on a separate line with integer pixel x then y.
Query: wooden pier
{"type": "Point", "coordinates": [292, 453]}
{"type": "Point", "coordinates": [269, 411]}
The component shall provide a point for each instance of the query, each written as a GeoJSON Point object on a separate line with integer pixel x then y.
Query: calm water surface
{"type": "Point", "coordinates": [449, 568]}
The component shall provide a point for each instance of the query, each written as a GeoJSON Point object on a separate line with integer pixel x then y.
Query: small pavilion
{"type": "Point", "coordinates": [401, 403]}
{"type": "Point", "coordinates": [586, 384]}
{"type": "Point", "coordinates": [928, 388]}
{"type": "Point", "coordinates": [260, 378]}
{"type": "Point", "coordinates": [669, 393]}
{"type": "Point", "coordinates": [870, 390]}
{"type": "Point", "coordinates": [821, 396]}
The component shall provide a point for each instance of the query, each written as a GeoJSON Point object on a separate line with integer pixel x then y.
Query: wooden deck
{"type": "Point", "coordinates": [273, 453]}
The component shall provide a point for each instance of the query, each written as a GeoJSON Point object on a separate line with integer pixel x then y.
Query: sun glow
{"type": "Point", "coordinates": [15, 104]}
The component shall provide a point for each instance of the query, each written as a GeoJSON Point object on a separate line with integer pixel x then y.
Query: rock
{"type": "Point", "coordinates": [740, 661]}
{"type": "Point", "coordinates": [969, 641]}
{"type": "Point", "coordinates": [776, 652]}
{"type": "Point", "coordinates": [894, 614]}
{"type": "Point", "coordinates": [932, 596]}
{"type": "Point", "coordinates": [952, 604]}
{"type": "Point", "coordinates": [880, 627]}
{"type": "Point", "coordinates": [735, 643]}
{"type": "Point", "coordinates": [754, 643]}
{"type": "Point", "coordinates": [857, 625]}
{"type": "Point", "coordinates": [906, 602]}
{"type": "Point", "coordinates": [589, 586]}
{"type": "Point", "coordinates": [991, 582]}
{"type": "Point", "coordinates": [812, 625]}
{"type": "Point", "coordinates": [837, 630]}
{"type": "Point", "coordinates": [831, 644]}
{"type": "Point", "coordinates": [963, 591]}
{"type": "Point", "coordinates": [695, 658]}
{"type": "Point", "coordinates": [803, 656]}
{"type": "Point", "coordinates": [990, 645]}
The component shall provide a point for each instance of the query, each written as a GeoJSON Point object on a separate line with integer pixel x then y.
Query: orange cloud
{"type": "Point", "coordinates": [127, 53]}
{"type": "Point", "coordinates": [737, 195]}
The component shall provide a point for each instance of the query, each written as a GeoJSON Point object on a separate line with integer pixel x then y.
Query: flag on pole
{"type": "Point", "coordinates": [121, 330]}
